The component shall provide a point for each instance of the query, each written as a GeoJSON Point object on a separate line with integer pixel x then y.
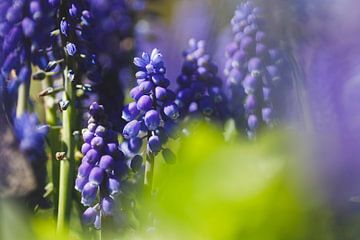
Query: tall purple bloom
{"type": "Point", "coordinates": [200, 89]}
{"type": "Point", "coordinates": [76, 40]}
{"type": "Point", "coordinates": [253, 69]}
{"type": "Point", "coordinates": [31, 139]}
{"type": "Point", "coordinates": [102, 169]}
{"type": "Point", "coordinates": [153, 114]}
{"type": "Point", "coordinates": [114, 45]}
{"type": "Point", "coordinates": [24, 31]}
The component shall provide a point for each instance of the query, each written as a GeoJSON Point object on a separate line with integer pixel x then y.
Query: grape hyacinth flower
{"type": "Point", "coordinates": [31, 138]}
{"type": "Point", "coordinates": [252, 70]}
{"type": "Point", "coordinates": [73, 51]}
{"type": "Point", "coordinates": [74, 40]}
{"type": "Point", "coordinates": [24, 31]}
{"type": "Point", "coordinates": [153, 114]}
{"type": "Point", "coordinates": [102, 169]}
{"type": "Point", "coordinates": [114, 46]}
{"type": "Point", "coordinates": [200, 89]}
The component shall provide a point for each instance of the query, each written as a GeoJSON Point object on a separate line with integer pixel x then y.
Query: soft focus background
{"type": "Point", "coordinates": [321, 36]}
{"type": "Point", "coordinates": [297, 183]}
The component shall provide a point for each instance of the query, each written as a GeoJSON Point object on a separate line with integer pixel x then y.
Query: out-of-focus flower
{"type": "Point", "coordinates": [24, 32]}
{"type": "Point", "coordinates": [200, 89]}
{"type": "Point", "coordinates": [31, 137]}
{"type": "Point", "coordinates": [114, 46]}
{"type": "Point", "coordinates": [253, 69]}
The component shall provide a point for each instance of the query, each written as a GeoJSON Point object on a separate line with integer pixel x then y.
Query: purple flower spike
{"type": "Point", "coordinates": [98, 177]}
{"type": "Point", "coordinates": [150, 97]}
{"type": "Point", "coordinates": [198, 77]}
{"type": "Point", "coordinates": [252, 70]}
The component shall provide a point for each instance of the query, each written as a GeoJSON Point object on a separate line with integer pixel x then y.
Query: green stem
{"type": "Point", "coordinates": [54, 139]}
{"type": "Point", "coordinates": [67, 164]}
{"type": "Point", "coordinates": [23, 97]}
{"type": "Point", "coordinates": [149, 174]}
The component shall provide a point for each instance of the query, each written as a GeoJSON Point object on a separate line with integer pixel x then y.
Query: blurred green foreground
{"type": "Point", "coordinates": [216, 190]}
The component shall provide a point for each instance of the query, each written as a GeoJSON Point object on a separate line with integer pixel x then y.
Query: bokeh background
{"type": "Point", "coordinates": [298, 183]}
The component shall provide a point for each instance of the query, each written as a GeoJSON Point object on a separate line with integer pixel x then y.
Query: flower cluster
{"type": "Point", "coordinates": [252, 69]}
{"type": "Point", "coordinates": [115, 50]}
{"type": "Point", "coordinates": [31, 138]}
{"type": "Point", "coordinates": [76, 37]}
{"type": "Point", "coordinates": [102, 169]}
{"type": "Point", "coordinates": [199, 86]}
{"type": "Point", "coordinates": [153, 114]}
{"type": "Point", "coordinates": [24, 30]}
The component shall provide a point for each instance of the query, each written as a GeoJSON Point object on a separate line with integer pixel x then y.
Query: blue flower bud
{"type": "Point", "coordinates": [89, 216]}
{"type": "Point", "coordinates": [113, 185]}
{"type": "Point", "coordinates": [112, 150]}
{"type": "Point", "coordinates": [135, 144]}
{"type": "Point", "coordinates": [172, 111]}
{"type": "Point", "coordinates": [154, 144]}
{"type": "Point", "coordinates": [253, 122]}
{"type": "Point", "coordinates": [139, 62]}
{"type": "Point", "coordinates": [152, 120]}
{"type": "Point", "coordinates": [206, 106]}
{"type": "Point", "coordinates": [250, 103]}
{"type": "Point", "coordinates": [267, 113]}
{"type": "Point", "coordinates": [255, 66]}
{"type": "Point", "coordinates": [101, 131]}
{"type": "Point", "coordinates": [106, 162]}
{"type": "Point", "coordinates": [130, 112]}
{"type": "Point", "coordinates": [97, 223]}
{"type": "Point", "coordinates": [71, 49]}
{"type": "Point", "coordinates": [146, 86]}
{"type": "Point", "coordinates": [250, 84]}
{"type": "Point", "coordinates": [15, 13]}
{"type": "Point", "coordinates": [80, 183]}
{"type": "Point", "coordinates": [247, 43]}
{"type": "Point", "coordinates": [107, 206]}
{"type": "Point", "coordinates": [144, 103]}
{"type": "Point", "coordinates": [131, 129]}
{"type": "Point", "coordinates": [88, 136]}
{"type": "Point", "coordinates": [73, 11]}
{"type": "Point", "coordinates": [64, 27]}
{"type": "Point", "coordinates": [85, 169]}
{"type": "Point", "coordinates": [54, 3]}
{"type": "Point", "coordinates": [97, 143]}
{"type": "Point", "coordinates": [88, 194]}
{"type": "Point", "coordinates": [136, 93]}
{"type": "Point", "coordinates": [28, 27]}
{"type": "Point", "coordinates": [273, 73]}
{"type": "Point", "coordinates": [92, 156]}
{"type": "Point", "coordinates": [24, 74]}
{"type": "Point", "coordinates": [260, 36]}
{"type": "Point", "coordinates": [95, 109]}
{"type": "Point", "coordinates": [96, 175]}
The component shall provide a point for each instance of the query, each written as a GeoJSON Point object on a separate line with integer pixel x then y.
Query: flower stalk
{"type": "Point", "coordinates": [149, 174]}
{"type": "Point", "coordinates": [66, 164]}
{"type": "Point", "coordinates": [53, 139]}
